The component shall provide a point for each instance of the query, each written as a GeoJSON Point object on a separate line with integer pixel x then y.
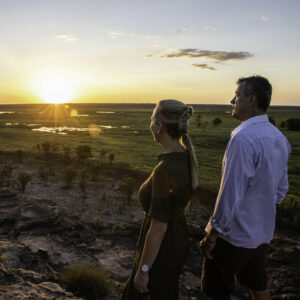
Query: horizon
{"type": "Point", "coordinates": [74, 51]}
{"type": "Point", "coordinates": [128, 103]}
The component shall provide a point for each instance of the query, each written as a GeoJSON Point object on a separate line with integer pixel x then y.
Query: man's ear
{"type": "Point", "coordinates": [253, 101]}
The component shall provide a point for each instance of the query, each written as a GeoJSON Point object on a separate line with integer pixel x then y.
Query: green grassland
{"type": "Point", "coordinates": [134, 143]}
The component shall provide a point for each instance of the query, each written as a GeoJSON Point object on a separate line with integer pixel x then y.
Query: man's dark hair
{"type": "Point", "coordinates": [260, 87]}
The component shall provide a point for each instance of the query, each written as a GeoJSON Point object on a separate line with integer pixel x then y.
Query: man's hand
{"type": "Point", "coordinates": [206, 247]}
{"type": "Point", "coordinates": [141, 281]}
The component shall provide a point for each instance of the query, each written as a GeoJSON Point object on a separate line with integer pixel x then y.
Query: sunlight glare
{"type": "Point", "coordinates": [55, 89]}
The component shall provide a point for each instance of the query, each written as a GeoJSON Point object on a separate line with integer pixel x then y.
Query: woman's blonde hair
{"type": "Point", "coordinates": [175, 116]}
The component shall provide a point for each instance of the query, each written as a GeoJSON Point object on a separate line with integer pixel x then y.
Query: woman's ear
{"type": "Point", "coordinates": [159, 126]}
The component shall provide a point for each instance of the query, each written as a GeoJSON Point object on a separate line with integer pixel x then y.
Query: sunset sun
{"type": "Point", "coordinates": [55, 89]}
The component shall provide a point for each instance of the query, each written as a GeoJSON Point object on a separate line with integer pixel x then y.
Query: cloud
{"type": "Point", "coordinates": [213, 55]}
{"type": "Point", "coordinates": [208, 28]}
{"type": "Point", "coordinates": [183, 30]}
{"type": "Point", "coordinates": [148, 56]}
{"type": "Point", "coordinates": [161, 41]}
{"type": "Point", "coordinates": [67, 37]}
{"type": "Point", "coordinates": [204, 66]}
{"type": "Point", "coordinates": [115, 34]}
{"type": "Point", "coordinates": [264, 18]}
{"type": "Point", "coordinates": [142, 36]}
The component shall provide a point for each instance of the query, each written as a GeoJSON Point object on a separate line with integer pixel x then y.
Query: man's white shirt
{"type": "Point", "coordinates": [254, 180]}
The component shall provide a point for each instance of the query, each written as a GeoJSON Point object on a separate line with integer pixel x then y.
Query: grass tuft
{"type": "Point", "coordinates": [86, 280]}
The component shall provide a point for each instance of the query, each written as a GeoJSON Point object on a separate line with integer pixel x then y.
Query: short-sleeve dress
{"type": "Point", "coordinates": [163, 196]}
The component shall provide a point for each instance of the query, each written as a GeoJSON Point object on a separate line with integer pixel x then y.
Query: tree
{"type": "Point", "coordinates": [111, 158]}
{"type": "Point", "coordinates": [43, 174]}
{"type": "Point", "coordinates": [216, 121]}
{"type": "Point", "coordinates": [198, 121]}
{"type": "Point", "coordinates": [127, 186]}
{"type": "Point", "coordinates": [102, 155]}
{"type": "Point", "coordinates": [83, 153]}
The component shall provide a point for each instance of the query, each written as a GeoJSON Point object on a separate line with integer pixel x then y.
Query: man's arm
{"type": "Point", "coordinates": [209, 243]}
{"type": "Point", "coordinates": [237, 170]}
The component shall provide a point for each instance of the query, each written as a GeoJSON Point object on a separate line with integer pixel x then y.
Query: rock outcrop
{"type": "Point", "coordinates": [37, 241]}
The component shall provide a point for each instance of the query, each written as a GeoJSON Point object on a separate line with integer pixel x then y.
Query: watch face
{"type": "Point", "coordinates": [145, 268]}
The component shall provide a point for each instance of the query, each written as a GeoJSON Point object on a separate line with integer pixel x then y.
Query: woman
{"type": "Point", "coordinates": [165, 197]}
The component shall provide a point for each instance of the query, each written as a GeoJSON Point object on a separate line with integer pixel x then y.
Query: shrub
{"type": "Point", "coordinates": [282, 124]}
{"type": "Point", "coordinates": [86, 280]}
{"type": "Point", "coordinates": [5, 175]}
{"type": "Point", "coordinates": [82, 182]}
{"type": "Point", "coordinates": [94, 169]}
{"type": "Point", "coordinates": [43, 174]}
{"type": "Point", "coordinates": [20, 155]}
{"type": "Point", "coordinates": [216, 121]}
{"type": "Point", "coordinates": [293, 124]}
{"type": "Point", "coordinates": [68, 175]}
{"type": "Point", "coordinates": [98, 223]}
{"type": "Point", "coordinates": [23, 179]}
{"type": "Point", "coordinates": [67, 155]}
{"type": "Point", "coordinates": [2, 259]}
{"type": "Point", "coordinates": [47, 150]}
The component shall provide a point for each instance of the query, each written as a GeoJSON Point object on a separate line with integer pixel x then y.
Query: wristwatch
{"type": "Point", "coordinates": [145, 268]}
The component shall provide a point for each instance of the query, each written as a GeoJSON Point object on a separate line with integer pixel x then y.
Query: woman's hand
{"type": "Point", "coordinates": [141, 281]}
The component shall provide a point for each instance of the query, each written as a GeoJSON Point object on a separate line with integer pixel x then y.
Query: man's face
{"type": "Point", "coordinates": [240, 103]}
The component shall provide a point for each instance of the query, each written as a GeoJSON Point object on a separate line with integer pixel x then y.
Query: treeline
{"type": "Point", "coordinates": [292, 124]}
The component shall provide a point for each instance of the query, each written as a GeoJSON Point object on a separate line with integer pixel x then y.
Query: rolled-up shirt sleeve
{"type": "Point", "coordinates": [283, 186]}
{"type": "Point", "coordinates": [238, 169]}
{"type": "Point", "coordinates": [161, 200]}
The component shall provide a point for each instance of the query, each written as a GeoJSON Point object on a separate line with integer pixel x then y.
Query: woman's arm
{"type": "Point", "coordinates": [153, 241]}
{"type": "Point", "coordinates": [187, 208]}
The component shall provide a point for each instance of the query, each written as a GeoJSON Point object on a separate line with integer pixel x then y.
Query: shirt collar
{"type": "Point", "coordinates": [170, 155]}
{"type": "Point", "coordinates": [257, 119]}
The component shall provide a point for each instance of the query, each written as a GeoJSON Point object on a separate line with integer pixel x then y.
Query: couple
{"type": "Point", "coordinates": [254, 180]}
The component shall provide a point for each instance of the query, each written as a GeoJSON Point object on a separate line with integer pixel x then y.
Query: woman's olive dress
{"type": "Point", "coordinates": [164, 196]}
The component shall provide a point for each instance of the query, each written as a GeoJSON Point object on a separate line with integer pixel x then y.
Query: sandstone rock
{"type": "Point", "coordinates": [37, 241]}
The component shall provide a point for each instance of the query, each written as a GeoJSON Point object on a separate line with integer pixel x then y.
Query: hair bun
{"type": "Point", "coordinates": [183, 119]}
{"type": "Point", "coordinates": [186, 114]}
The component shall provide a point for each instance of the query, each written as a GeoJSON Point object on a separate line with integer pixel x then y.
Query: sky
{"type": "Point", "coordinates": [140, 51]}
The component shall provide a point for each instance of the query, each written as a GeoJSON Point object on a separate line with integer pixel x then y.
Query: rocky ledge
{"type": "Point", "coordinates": [37, 241]}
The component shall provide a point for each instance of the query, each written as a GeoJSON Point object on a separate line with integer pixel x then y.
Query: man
{"type": "Point", "coordinates": [254, 180]}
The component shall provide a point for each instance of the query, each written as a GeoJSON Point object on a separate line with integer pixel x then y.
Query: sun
{"type": "Point", "coordinates": [55, 89]}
